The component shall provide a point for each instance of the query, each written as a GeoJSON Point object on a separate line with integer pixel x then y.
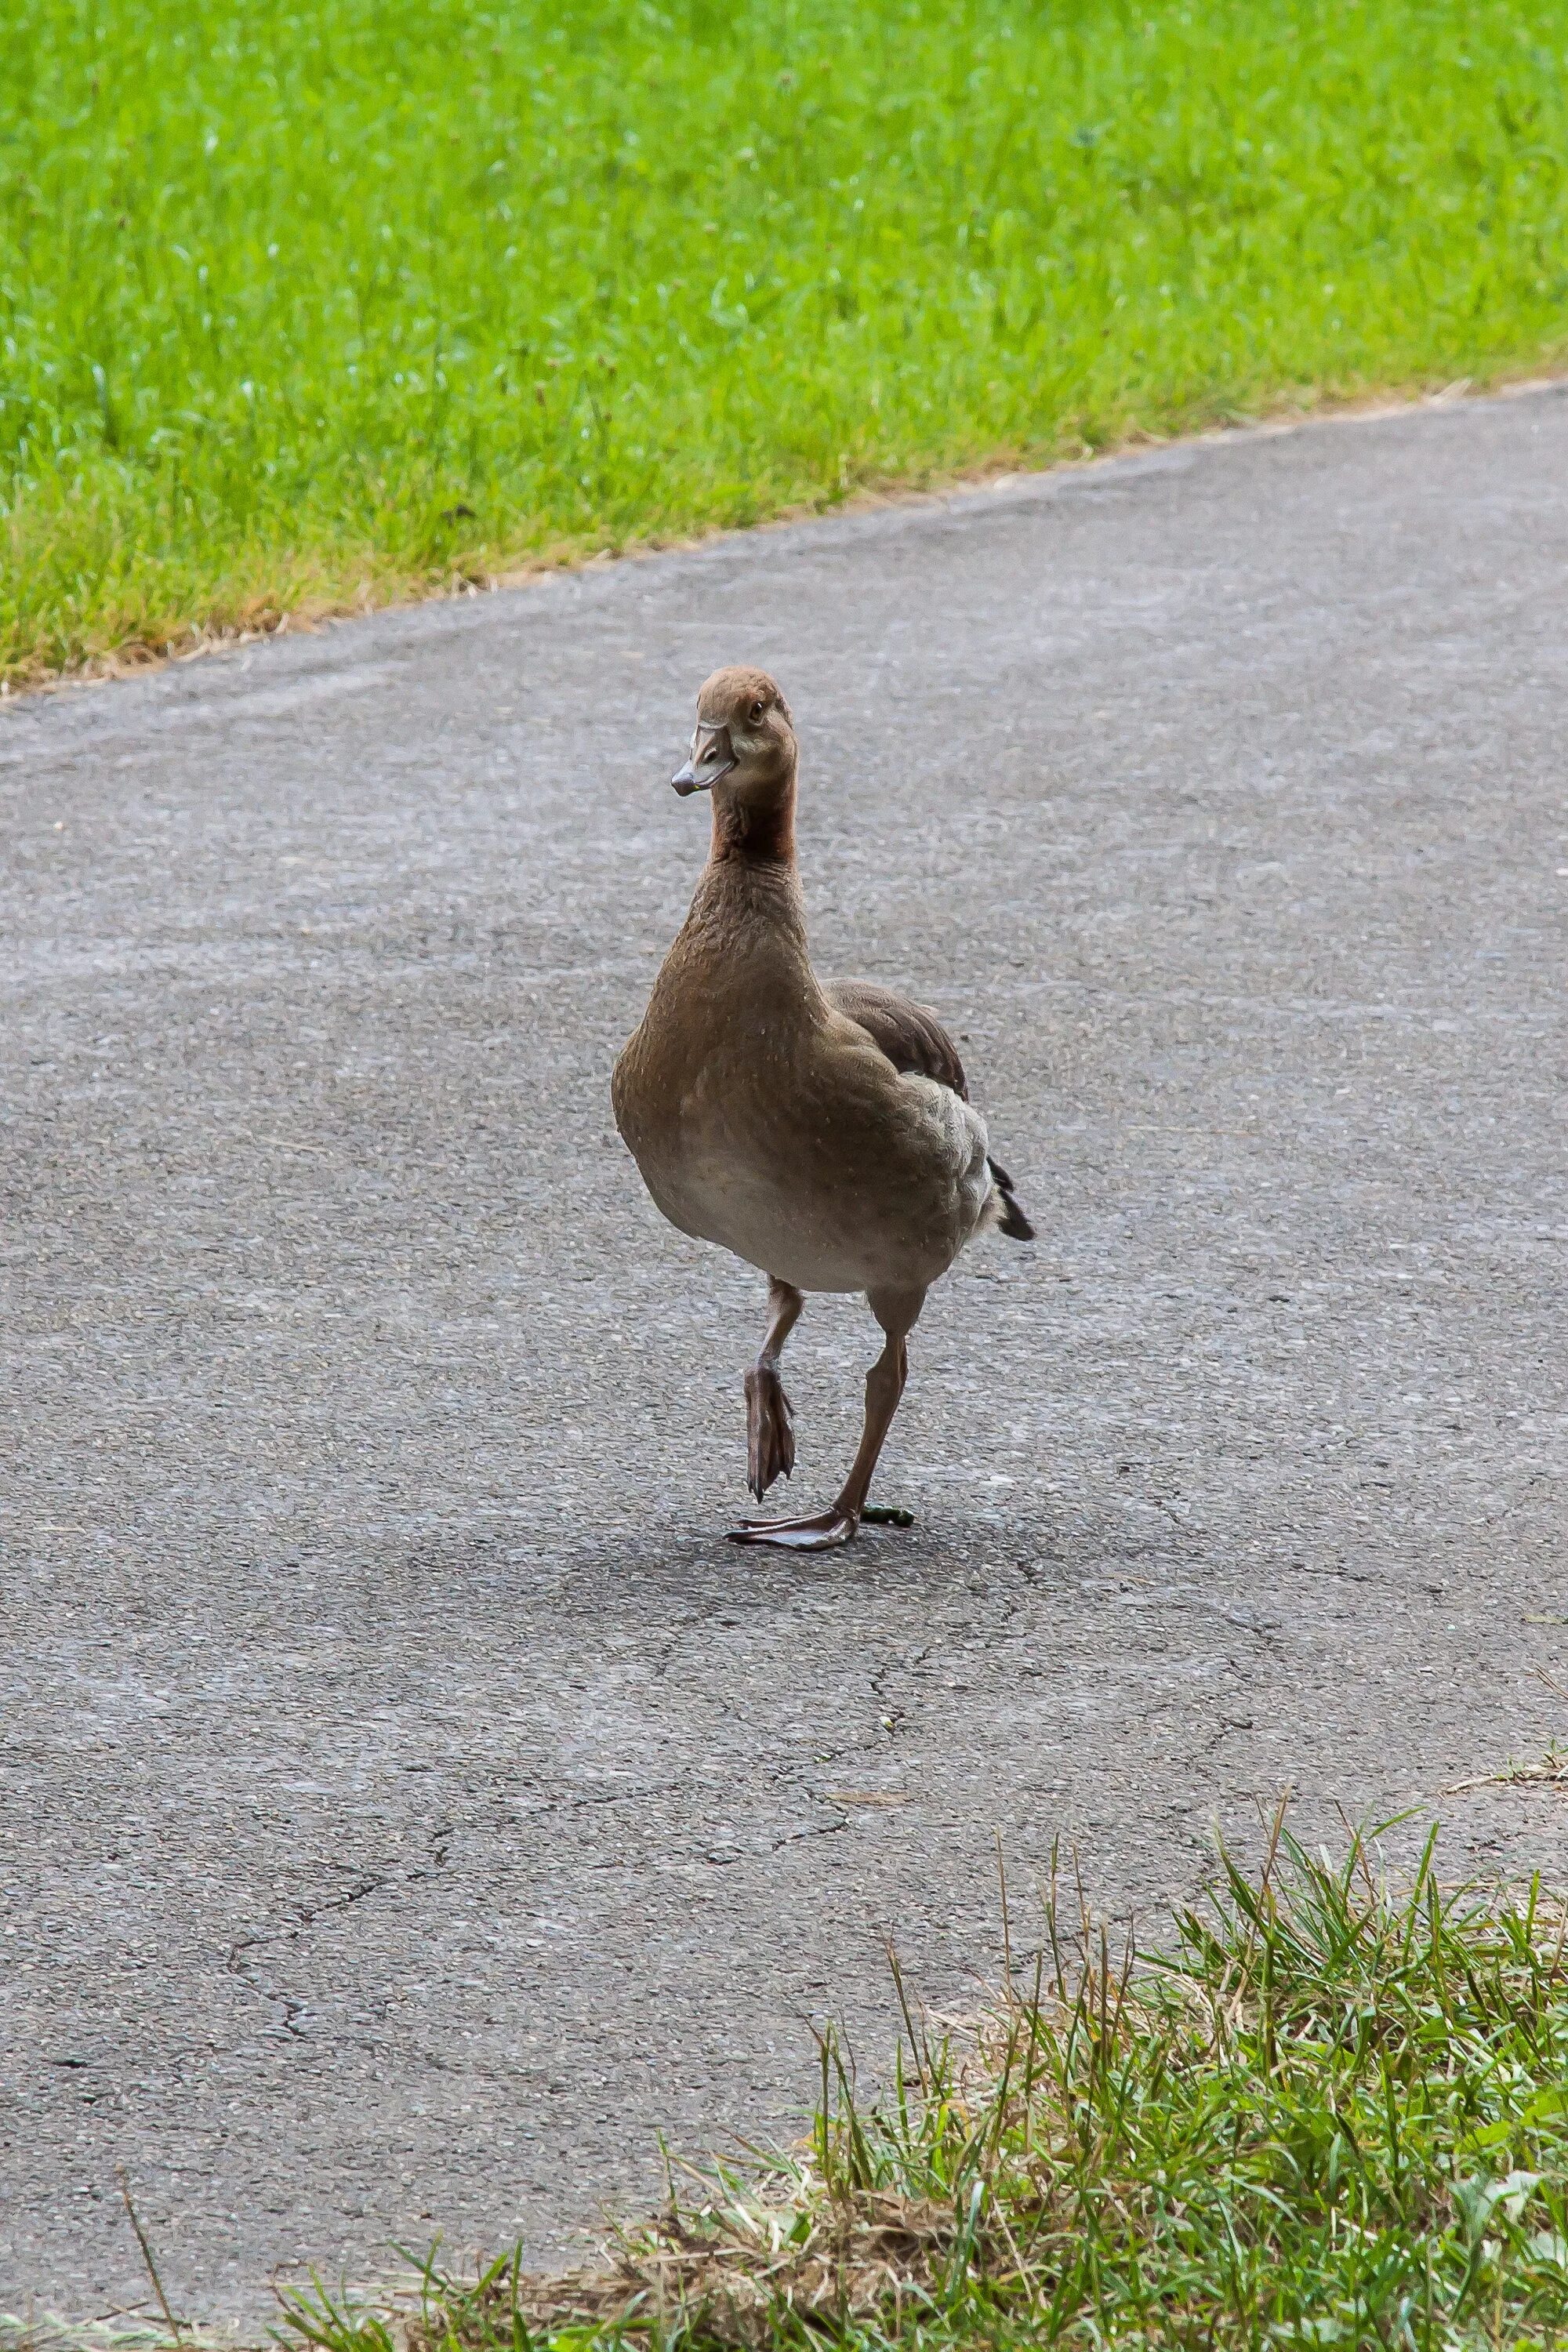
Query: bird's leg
{"type": "Point", "coordinates": [896, 1311]}
{"type": "Point", "coordinates": [769, 1433]}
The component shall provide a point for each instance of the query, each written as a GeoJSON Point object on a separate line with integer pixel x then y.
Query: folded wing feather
{"type": "Point", "coordinates": [909, 1035]}
{"type": "Point", "coordinates": [914, 1040]}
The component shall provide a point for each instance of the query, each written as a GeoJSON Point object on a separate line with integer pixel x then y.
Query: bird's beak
{"type": "Point", "coordinates": [712, 758]}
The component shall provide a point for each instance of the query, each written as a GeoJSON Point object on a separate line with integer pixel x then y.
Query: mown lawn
{"type": "Point", "coordinates": [324, 303]}
{"type": "Point", "coordinates": [1325, 2113]}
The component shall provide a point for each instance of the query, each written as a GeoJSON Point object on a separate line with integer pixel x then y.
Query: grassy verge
{"type": "Point", "coordinates": [1328, 2115]}
{"type": "Point", "coordinates": [322, 305]}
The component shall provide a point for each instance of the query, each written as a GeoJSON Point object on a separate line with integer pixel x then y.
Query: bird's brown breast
{"type": "Point", "coordinates": [766, 1120]}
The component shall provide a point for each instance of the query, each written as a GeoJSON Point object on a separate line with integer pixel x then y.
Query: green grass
{"type": "Point", "coordinates": [319, 304]}
{"type": "Point", "coordinates": [1328, 2114]}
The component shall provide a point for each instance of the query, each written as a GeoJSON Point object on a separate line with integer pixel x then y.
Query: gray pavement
{"type": "Point", "coordinates": [410, 1804]}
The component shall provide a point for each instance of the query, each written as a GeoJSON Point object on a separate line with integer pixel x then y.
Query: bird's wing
{"type": "Point", "coordinates": [909, 1035]}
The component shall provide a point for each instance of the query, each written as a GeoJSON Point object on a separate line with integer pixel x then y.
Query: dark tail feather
{"type": "Point", "coordinates": [1012, 1220]}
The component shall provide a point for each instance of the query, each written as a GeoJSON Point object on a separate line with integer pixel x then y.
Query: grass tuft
{"type": "Point", "coordinates": [305, 308]}
{"type": "Point", "coordinates": [1328, 2114]}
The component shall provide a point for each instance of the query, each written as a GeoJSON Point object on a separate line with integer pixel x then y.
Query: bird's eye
{"type": "Point", "coordinates": [757, 710]}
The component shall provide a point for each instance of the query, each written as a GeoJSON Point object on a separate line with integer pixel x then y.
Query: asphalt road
{"type": "Point", "coordinates": [411, 1805]}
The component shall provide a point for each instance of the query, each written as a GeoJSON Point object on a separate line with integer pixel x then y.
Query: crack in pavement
{"type": "Point", "coordinates": [304, 1917]}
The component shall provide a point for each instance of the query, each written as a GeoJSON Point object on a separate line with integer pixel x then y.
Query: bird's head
{"type": "Point", "coordinates": [743, 747]}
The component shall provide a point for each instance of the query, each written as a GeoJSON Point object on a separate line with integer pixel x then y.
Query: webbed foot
{"type": "Point", "coordinates": [826, 1532]}
{"type": "Point", "coordinates": [770, 1431]}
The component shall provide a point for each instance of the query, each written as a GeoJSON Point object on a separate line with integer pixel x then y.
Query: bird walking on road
{"type": "Point", "coordinates": [821, 1130]}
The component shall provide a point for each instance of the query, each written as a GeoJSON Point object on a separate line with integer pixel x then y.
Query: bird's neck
{"type": "Point", "coordinates": [748, 916]}
{"type": "Point", "coordinates": [756, 833]}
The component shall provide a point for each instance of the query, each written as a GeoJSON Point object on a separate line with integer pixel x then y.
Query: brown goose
{"type": "Point", "coordinates": [822, 1131]}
